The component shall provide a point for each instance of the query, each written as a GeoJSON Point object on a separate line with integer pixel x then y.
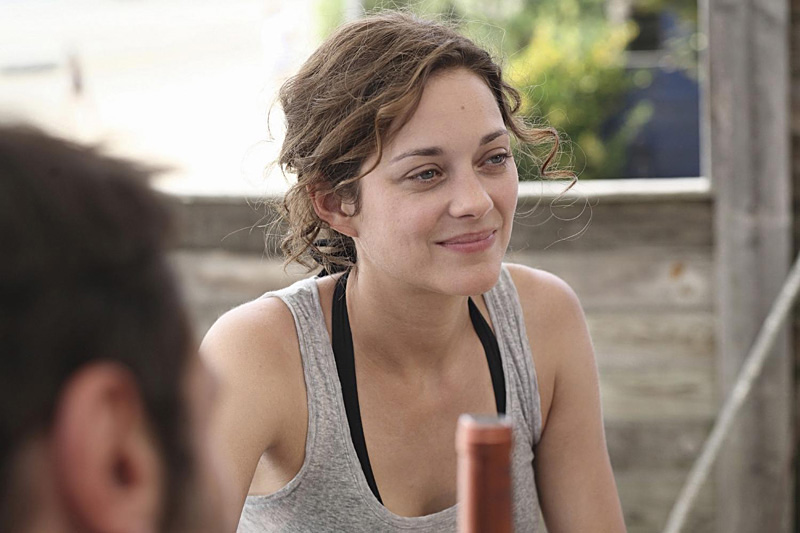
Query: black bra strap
{"type": "Point", "coordinates": [342, 341]}
{"type": "Point", "coordinates": [492, 351]}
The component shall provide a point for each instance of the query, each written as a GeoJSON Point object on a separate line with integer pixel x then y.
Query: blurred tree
{"type": "Point", "coordinates": [569, 62]}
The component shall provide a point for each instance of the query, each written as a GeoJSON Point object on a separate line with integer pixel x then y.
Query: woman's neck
{"type": "Point", "coordinates": [404, 328]}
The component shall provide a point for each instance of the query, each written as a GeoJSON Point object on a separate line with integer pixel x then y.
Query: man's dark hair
{"type": "Point", "coordinates": [83, 278]}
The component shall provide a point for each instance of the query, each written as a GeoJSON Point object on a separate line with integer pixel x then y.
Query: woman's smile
{"type": "Point", "coordinates": [470, 242]}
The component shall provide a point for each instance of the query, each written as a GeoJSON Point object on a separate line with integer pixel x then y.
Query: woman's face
{"type": "Point", "coordinates": [436, 213]}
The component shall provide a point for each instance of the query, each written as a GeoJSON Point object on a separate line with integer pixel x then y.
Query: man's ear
{"type": "Point", "coordinates": [108, 471]}
{"type": "Point", "coordinates": [333, 210]}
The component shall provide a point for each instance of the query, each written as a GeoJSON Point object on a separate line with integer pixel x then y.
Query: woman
{"type": "Point", "coordinates": [341, 393]}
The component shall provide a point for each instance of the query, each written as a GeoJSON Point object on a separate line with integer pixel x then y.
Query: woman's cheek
{"type": "Point", "coordinates": [506, 198]}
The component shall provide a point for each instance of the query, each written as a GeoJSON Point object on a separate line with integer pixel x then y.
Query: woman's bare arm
{"type": "Point", "coordinates": [576, 486]}
{"type": "Point", "coordinates": [253, 350]}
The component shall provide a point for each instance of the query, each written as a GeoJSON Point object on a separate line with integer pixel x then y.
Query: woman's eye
{"type": "Point", "coordinates": [498, 159]}
{"type": "Point", "coordinates": [425, 175]}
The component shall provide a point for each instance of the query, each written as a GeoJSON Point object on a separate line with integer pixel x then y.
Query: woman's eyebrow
{"type": "Point", "coordinates": [486, 139]}
{"type": "Point", "coordinates": [435, 150]}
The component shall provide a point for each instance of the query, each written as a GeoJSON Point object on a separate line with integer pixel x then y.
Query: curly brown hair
{"type": "Point", "coordinates": [365, 78]}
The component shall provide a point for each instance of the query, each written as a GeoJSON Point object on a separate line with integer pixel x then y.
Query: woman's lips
{"type": "Point", "coordinates": [470, 242]}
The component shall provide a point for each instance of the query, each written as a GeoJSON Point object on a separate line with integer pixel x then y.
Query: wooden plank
{"type": "Point", "coordinates": [230, 223]}
{"type": "Point", "coordinates": [660, 444]}
{"type": "Point", "coordinates": [605, 225]}
{"type": "Point", "coordinates": [626, 338]}
{"type": "Point", "coordinates": [628, 190]}
{"type": "Point", "coordinates": [633, 277]}
{"type": "Point", "coordinates": [748, 56]}
{"type": "Point", "coordinates": [640, 284]}
{"type": "Point", "coordinates": [677, 389]}
{"type": "Point", "coordinates": [648, 493]}
{"type": "Point", "coordinates": [237, 224]}
{"type": "Point", "coordinates": [655, 367]}
{"type": "Point", "coordinates": [795, 166]}
{"type": "Point", "coordinates": [215, 281]}
{"type": "Point", "coordinates": [638, 280]}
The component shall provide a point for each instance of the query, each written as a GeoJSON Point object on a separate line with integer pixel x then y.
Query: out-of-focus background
{"type": "Point", "coordinates": [679, 122]}
{"type": "Point", "coordinates": [189, 82]}
{"type": "Point", "coordinates": [184, 83]}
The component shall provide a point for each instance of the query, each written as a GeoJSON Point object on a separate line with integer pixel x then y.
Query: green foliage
{"type": "Point", "coordinates": [686, 9]}
{"type": "Point", "coordinates": [572, 77]}
{"type": "Point", "coordinates": [330, 13]}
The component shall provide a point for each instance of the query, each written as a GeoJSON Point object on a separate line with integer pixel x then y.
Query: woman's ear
{"type": "Point", "coordinates": [337, 213]}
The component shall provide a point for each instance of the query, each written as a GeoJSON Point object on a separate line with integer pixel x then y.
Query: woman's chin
{"type": "Point", "coordinates": [473, 281]}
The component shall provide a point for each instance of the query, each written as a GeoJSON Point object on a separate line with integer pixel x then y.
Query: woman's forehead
{"type": "Point", "coordinates": [454, 103]}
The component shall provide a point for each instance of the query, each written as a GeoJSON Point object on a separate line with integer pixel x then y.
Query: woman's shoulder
{"type": "Point", "coordinates": [555, 326]}
{"type": "Point", "coordinates": [253, 350]}
{"type": "Point", "coordinates": [551, 309]}
{"type": "Point", "coordinates": [244, 331]}
{"type": "Point", "coordinates": [264, 330]}
{"type": "Point", "coordinates": [541, 291]}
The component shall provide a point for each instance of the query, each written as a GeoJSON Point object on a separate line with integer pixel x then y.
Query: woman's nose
{"type": "Point", "coordinates": [470, 197]}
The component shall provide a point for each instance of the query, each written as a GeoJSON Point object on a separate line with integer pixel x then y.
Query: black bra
{"type": "Point", "coordinates": [345, 366]}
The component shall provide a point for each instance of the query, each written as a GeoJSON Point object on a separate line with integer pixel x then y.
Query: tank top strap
{"type": "Point", "coordinates": [303, 300]}
{"type": "Point", "coordinates": [505, 311]}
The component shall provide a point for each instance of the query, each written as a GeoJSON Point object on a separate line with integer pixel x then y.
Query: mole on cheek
{"type": "Point", "coordinates": [462, 108]}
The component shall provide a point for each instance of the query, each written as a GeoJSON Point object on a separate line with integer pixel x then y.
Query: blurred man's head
{"type": "Point", "coordinates": [101, 415]}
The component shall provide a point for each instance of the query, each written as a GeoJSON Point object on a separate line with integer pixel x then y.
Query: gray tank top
{"type": "Point", "coordinates": [330, 492]}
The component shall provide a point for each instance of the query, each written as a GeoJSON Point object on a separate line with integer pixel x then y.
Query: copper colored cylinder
{"type": "Point", "coordinates": [483, 444]}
